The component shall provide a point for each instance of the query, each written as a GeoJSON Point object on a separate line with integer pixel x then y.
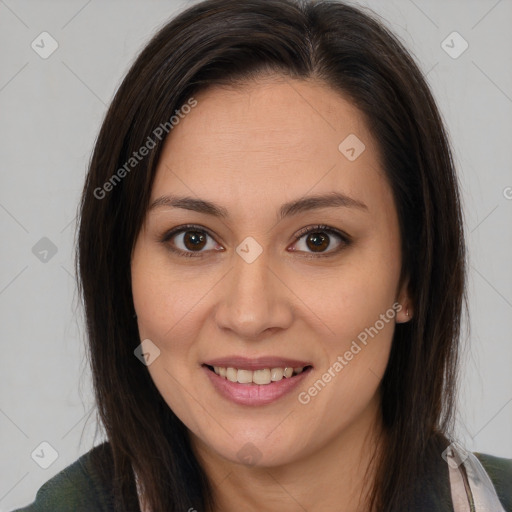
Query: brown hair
{"type": "Point", "coordinates": [222, 41]}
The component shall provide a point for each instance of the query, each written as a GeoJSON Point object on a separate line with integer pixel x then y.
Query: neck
{"type": "Point", "coordinates": [336, 477]}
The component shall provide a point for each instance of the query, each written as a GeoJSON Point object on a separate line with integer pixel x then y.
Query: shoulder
{"type": "Point", "coordinates": [77, 487]}
{"type": "Point", "coordinates": [500, 472]}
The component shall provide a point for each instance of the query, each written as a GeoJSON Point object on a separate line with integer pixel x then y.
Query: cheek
{"type": "Point", "coordinates": [166, 315]}
{"type": "Point", "coordinates": [170, 313]}
{"type": "Point", "coordinates": [165, 299]}
{"type": "Point", "coordinates": [159, 303]}
{"type": "Point", "coordinates": [352, 298]}
{"type": "Point", "coordinates": [356, 311]}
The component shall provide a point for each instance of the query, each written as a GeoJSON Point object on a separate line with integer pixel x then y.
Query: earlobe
{"type": "Point", "coordinates": [404, 315]}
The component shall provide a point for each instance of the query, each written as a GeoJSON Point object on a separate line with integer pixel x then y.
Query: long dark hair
{"type": "Point", "coordinates": [231, 42]}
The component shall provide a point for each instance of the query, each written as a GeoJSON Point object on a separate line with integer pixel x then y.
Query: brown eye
{"type": "Point", "coordinates": [189, 241]}
{"type": "Point", "coordinates": [194, 240]}
{"type": "Point", "coordinates": [317, 239]}
{"type": "Point", "coordinates": [317, 242]}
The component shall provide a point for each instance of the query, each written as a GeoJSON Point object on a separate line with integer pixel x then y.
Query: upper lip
{"type": "Point", "coordinates": [257, 363]}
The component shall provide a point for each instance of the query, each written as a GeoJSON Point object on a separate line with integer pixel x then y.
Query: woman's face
{"type": "Point", "coordinates": [250, 292]}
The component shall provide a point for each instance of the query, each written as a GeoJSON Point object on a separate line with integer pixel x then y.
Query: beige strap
{"type": "Point", "coordinates": [472, 489]}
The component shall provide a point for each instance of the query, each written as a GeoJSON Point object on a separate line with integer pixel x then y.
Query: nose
{"type": "Point", "coordinates": [255, 300]}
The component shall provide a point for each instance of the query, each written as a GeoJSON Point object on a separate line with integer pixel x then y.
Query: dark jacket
{"type": "Point", "coordinates": [79, 487]}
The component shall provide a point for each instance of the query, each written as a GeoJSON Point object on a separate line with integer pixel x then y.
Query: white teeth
{"type": "Point", "coordinates": [244, 376]}
{"type": "Point", "coordinates": [231, 374]}
{"type": "Point", "coordinates": [276, 374]}
{"type": "Point", "coordinates": [260, 377]}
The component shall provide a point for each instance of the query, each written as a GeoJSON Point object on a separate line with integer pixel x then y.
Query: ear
{"type": "Point", "coordinates": [406, 312]}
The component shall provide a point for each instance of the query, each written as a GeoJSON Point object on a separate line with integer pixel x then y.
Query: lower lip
{"type": "Point", "coordinates": [255, 394]}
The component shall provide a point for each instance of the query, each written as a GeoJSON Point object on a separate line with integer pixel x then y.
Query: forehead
{"type": "Point", "coordinates": [273, 138]}
{"type": "Point", "coordinates": [264, 114]}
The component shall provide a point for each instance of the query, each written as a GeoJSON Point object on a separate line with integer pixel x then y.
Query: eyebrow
{"type": "Point", "coordinates": [331, 200]}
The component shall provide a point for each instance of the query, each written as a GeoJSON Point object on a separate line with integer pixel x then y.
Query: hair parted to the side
{"type": "Point", "coordinates": [221, 41]}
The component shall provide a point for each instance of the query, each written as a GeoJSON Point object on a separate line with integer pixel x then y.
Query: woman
{"type": "Point", "coordinates": [272, 261]}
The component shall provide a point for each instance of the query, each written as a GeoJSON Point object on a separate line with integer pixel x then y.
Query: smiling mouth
{"type": "Point", "coordinates": [261, 377]}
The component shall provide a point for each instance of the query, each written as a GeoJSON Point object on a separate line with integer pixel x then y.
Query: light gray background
{"type": "Point", "coordinates": [50, 113]}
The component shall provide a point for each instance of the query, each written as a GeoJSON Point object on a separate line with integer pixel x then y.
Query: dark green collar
{"type": "Point", "coordinates": [79, 487]}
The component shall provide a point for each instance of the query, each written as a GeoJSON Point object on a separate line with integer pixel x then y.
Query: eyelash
{"type": "Point", "coordinates": [344, 238]}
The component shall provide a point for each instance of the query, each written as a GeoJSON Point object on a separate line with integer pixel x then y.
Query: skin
{"type": "Point", "coordinates": [250, 149]}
